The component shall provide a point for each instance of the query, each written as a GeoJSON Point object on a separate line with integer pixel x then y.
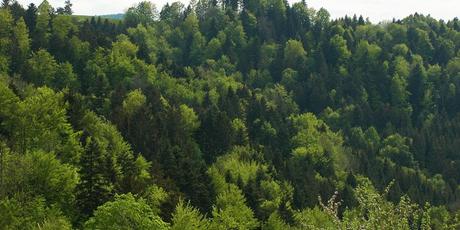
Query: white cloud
{"type": "Point", "coordinates": [376, 10]}
{"type": "Point", "coordinates": [97, 7]}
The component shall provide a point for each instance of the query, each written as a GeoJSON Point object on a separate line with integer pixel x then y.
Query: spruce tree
{"type": "Point", "coordinates": [94, 188]}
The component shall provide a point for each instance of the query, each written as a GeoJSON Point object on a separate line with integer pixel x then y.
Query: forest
{"type": "Point", "coordinates": [227, 114]}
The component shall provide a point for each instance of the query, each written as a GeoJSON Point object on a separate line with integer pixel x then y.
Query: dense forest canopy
{"type": "Point", "coordinates": [227, 114]}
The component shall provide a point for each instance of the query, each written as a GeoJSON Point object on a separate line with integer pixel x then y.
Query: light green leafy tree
{"type": "Point", "coordinates": [396, 148]}
{"type": "Point", "coordinates": [6, 30]}
{"type": "Point", "coordinates": [62, 25]}
{"type": "Point", "coordinates": [340, 52]}
{"type": "Point", "coordinates": [189, 118]}
{"type": "Point", "coordinates": [40, 174]}
{"type": "Point", "coordinates": [144, 13]}
{"type": "Point", "coordinates": [133, 102]}
{"type": "Point", "coordinates": [125, 212]}
{"type": "Point", "coordinates": [187, 217]}
{"type": "Point", "coordinates": [41, 124]}
{"type": "Point", "coordinates": [41, 68]}
{"type": "Point", "coordinates": [42, 28]}
{"type": "Point", "coordinates": [294, 54]}
{"type": "Point", "coordinates": [155, 196]}
{"type": "Point", "coordinates": [374, 211]}
{"type": "Point", "coordinates": [21, 46]}
{"type": "Point", "coordinates": [231, 212]}
{"type": "Point", "coordinates": [21, 212]}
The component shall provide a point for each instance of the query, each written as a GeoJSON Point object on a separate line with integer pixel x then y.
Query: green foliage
{"type": "Point", "coordinates": [133, 102]}
{"type": "Point", "coordinates": [238, 164]}
{"type": "Point", "coordinates": [41, 68]}
{"type": "Point", "coordinates": [314, 139]}
{"type": "Point", "coordinates": [275, 222]}
{"type": "Point", "coordinates": [155, 196]}
{"type": "Point", "coordinates": [396, 148]}
{"type": "Point", "coordinates": [241, 132]}
{"type": "Point", "coordinates": [294, 54]}
{"type": "Point", "coordinates": [39, 174]}
{"type": "Point", "coordinates": [231, 211]}
{"type": "Point", "coordinates": [21, 46]}
{"type": "Point", "coordinates": [42, 28]}
{"type": "Point", "coordinates": [18, 213]}
{"type": "Point", "coordinates": [125, 212]}
{"type": "Point", "coordinates": [227, 115]}
{"type": "Point", "coordinates": [317, 160]}
{"type": "Point", "coordinates": [187, 217]}
{"type": "Point", "coordinates": [62, 26]}
{"type": "Point", "coordinates": [145, 37]}
{"type": "Point", "coordinates": [144, 13]}
{"type": "Point", "coordinates": [241, 167]}
{"type": "Point", "coordinates": [268, 53]}
{"type": "Point", "coordinates": [314, 219]}
{"type": "Point", "coordinates": [189, 118]}
{"type": "Point", "coordinates": [6, 28]}
{"type": "Point", "coordinates": [65, 78]}
{"type": "Point", "coordinates": [339, 52]}
{"type": "Point", "coordinates": [373, 211]}
{"type": "Point", "coordinates": [8, 103]}
{"type": "Point", "coordinates": [40, 123]}
{"type": "Point", "coordinates": [381, 213]}
{"type": "Point", "coordinates": [108, 165]}
{"type": "Point", "coordinates": [95, 187]}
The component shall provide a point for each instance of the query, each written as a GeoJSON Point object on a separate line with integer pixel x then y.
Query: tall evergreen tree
{"type": "Point", "coordinates": [42, 27]}
{"type": "Point", "coordinates": [21, 46]}
{"type": "Point", "coordinates": [6, 4]}
{"type": "Point", "coordinates": [95, 187]}
{"type": "Point", "coordinates": [417, 88]}
{"type": "Point", "coordinates": [17, 10]}
{"type": "Point", "coordinates": [30, 18]}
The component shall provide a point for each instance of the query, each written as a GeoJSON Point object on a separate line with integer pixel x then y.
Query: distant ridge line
{"type": "Point", "coordinates": [112, 16]}
{"type": "Point", "coordinates": [105, 16]}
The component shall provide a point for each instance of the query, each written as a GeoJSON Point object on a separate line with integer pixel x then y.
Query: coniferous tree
{"type": "Point", "coordinates": [21, 46]}
{"type": "Point", "coordinates": [95, 187]}
{"type": "Point", "coordinates": [68, 8]}
{"type": "Point", "coordinates": [17, 10]}
{"type": "Point", "coordinates": [30, 17]}
{"type": "Point", "coordinates": [42, 26]}
{"type": "Point", "coordinates": [6, 4]}
{"type": "Point", "coordinates": [247, 110]}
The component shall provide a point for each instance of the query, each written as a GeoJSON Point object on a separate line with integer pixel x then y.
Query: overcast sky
{"type": "Point", "coordinates": [376, 10]}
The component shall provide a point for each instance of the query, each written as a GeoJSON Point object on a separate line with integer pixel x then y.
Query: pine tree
{"type": "Point", "coordinates": [6, 29]}
{"type": "Point", "coordinates": [21, 45]}
{"type": "Point", "coordinates": [42, 28]}
{"type": "Point", "coordinates": [417, 87]}
{"type": "Point", "coordinates": [30, 17]}
{"type": "Point", "coordinates": [68, 7]}
{"type": "Point", "coordinates": [94, 188]}
{"type": "Point", "coordinates": [17, 10]}
{"type": "Point", "coordinates": [6, 4]}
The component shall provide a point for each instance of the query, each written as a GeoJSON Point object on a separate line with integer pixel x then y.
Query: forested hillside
{"type": "Point", "coordinates": [232, 114]}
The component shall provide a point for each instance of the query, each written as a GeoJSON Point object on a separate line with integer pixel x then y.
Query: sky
{"type": "Point", "coordinates": [375, 10]}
